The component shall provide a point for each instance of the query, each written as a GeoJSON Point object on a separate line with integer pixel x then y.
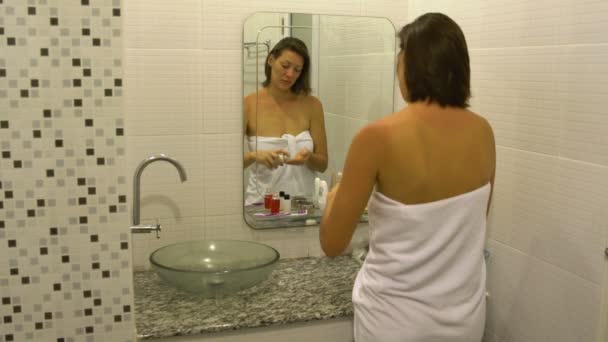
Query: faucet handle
{"type": "Point", "coordinates": [158, 228]}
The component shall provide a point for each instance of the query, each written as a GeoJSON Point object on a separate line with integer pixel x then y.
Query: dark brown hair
{"type": "Point", "coordinates": [302, 84]}
{"type": "Point", "coordinates": [436, 61]}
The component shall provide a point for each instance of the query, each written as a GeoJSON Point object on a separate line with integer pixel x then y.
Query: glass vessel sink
{"type": "Point", "coordinates": [213, 269]}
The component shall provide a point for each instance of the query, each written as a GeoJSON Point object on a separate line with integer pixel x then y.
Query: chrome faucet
{"type": "Point", "coordinates": [136, 227]}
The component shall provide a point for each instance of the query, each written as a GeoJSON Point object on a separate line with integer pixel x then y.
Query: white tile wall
{"type": "Point", "coordinates": [538, 75]}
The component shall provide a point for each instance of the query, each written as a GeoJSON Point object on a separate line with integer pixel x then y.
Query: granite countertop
{"type": "Point", "coordinates": [298, 290]}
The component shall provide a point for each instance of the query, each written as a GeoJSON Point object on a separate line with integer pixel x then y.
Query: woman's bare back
{"type": "Point", "coordinates": [433, 153]}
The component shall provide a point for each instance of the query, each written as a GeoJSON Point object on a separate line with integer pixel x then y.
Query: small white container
{"type": "Point", "coordinates": [286, 205]}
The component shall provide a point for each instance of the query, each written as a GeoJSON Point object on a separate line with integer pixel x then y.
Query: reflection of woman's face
{"type": "Point", "coordinates": [401, 74]}
{"type": "Point", "coordinates": [285, 69]}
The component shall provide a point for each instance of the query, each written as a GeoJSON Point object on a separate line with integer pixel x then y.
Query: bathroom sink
{"type": "Point", "coordinates": [214, 268]}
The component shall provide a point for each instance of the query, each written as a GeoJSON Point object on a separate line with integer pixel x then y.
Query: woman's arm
{"type": "Point", "coordinates": [318, 159]}
{"type": "Point", "coordinates": [346, 203]}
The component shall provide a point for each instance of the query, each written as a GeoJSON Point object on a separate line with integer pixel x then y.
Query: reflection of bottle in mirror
{"type": "Point", "coordinates": [336, 178]}
{"type": "Point", "coordinates": [315, 193]}
{"type": "Point", "coordinates": [286, 205]}
{"type": "Point", "coordinates": [323, 195]}
{"type": "Point", "coordinates": [267, 198]}
{"type": "Point", "coordinates": [275, 205]}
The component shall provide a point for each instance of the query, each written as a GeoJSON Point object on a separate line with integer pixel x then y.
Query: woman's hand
{"type": "Point", "coordinates": [271, 159]}
{"type": "Point", "coordinates": [300, 158]}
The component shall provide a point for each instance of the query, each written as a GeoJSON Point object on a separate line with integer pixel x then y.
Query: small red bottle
{"type": "Point", "coordinates": [275, 205]}
{"type": "Point", "coordinates": [267, 199]}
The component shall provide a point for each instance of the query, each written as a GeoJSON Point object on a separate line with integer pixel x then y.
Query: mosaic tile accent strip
{"type": "Point", "coordinates": [65, 272]}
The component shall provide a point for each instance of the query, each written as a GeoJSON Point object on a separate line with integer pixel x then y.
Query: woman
{"type": "Point", "coordinates": [432, 165]}
{"type": "Point", "coordinates": [284, 126]}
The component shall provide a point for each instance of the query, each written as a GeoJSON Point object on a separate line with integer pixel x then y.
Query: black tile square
{"type": "Point", "coordinates": [2, 225]}
{"type": "Point", "coordinates": [48, 315]}
{"type": "Point", "coordinates": [59, 143]}
{"type": "Point", "coordinates": [24, 93]}
{"type": "Point", "coordinates": [44, 52]}
{"type": "Point", "coordinates": [46, 113]}
{"type": "Point", "coordinates": [4, 124]}
{"type": "Point", "coordinates": [86, 293]}
{"type": "Point", "coordinates": [56, 287]}
{"type": "Point", "coordinates": [38, 325]}
{"type": "Point", "coordinates": [14, 271]}
{"type": "Point", "coordinates": [31, 213]}
{"type": "Point", "coordinates": [86, 32]}
{"type": "Point", "coordinates": [34, 83]}
{"type": "Point", "coordinates": [107, 92]}
{"type": "Point", "coordinates": [124, 245]}
{"type": "Point", "coordinates": [25, 280]}
{"type": "Point", "coordinates": [54, 21]}
{"type": "Point", "coordinates": [84, 2]}
{"type": "Point", "coordinates": [101, 161]}
{"type": "Point", "coordinates": [6, 154]}
{"type": "Point", "coordinates": [2, 72]}
{"type": "Point", "coordinates": [10, 41]}
{"type": "Point", "coordinates": [12, 243]}
{"type": "Point", "coordinates": [89, 330]}
{"type": "Point", "coordinates": [82, 200]}
{"type": "Point", "coordinates": [17, 164]}
{"type": "Point", "coordinates": [95, 265]}
{"type": "Point", "coordinates": [8, 194]}
{"type": "Point", "coordinates": [118, 82]}
{"type": "Point", "coordinates": [96, 42]}
{"type": "Point", "coordinates": [82, 181]}
{"type": "Point", "coordinates": [86, 72]}
{"type": "Point", "coordinates": [7, 319]}
{"type": "Point", "coordinates": [105, 274]}
{"type": "Point", "coordinates": [10, 338]}
{"type": "Point", "coordinates": [61, 339]}
{"type": "Point", "coordinates": [75, 61]}
{"type": "Point", "coordinates": [83, 220]}
{"type": "Point", "coordinates": [90, 151]}
{"type": "Point", "coordinates": [116, 12]}
{"type": "Point", "coordinates": [94, 238]}
{"type": "Point", "coordinates": [92, 191]}
{"type": "Point", "coordinates": [17, 309]}
{"type": "Point", "coordinates": [120, 132]}
{"type": "Point", "coordinates": [50, 173]}
{"type": "Point", "coordinates": [36, 133]}
{"type": "Point", "coordinates": [53, 230]}
{"type": "Point", "coordinates": [117, 318]}
{"type": "Point", "coordinates": [31, 10]}
{"type": "Point", "coordinates": [77, 82]}
{"type": "Point", "coordinates": [65, 259]}
{"type": "Point", "coordinates": [6, 300]}
{"type": "Point", "coordinates": [44, 251]}
{"type": "Point", "coordinates": [88, 312]}
{"type": "Point", "coordinates": [97, 301]}
{"type": "Point", "coordinates": [40, 203]}
{"type": "Point", "coordinates": [77, 102]}
{"type": "Point", "coordinates": [122, 199]}
{"type": "Point", "coordinates": [126, 308]}
{"type": "Point", "coordinates": [112, 209]}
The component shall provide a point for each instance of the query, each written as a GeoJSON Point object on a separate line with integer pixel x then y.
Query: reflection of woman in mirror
{"type": "Point", "coordinates": [432, 165]}
{"type": "Point", "coordinates": [284, 125]}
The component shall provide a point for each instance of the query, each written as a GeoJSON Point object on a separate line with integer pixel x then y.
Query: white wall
{"type": "Point", "coordinates": [183, 85]}
{"type": "Point", "coordinates": [539, 75]}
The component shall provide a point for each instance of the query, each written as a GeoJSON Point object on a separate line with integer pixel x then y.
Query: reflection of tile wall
{"type": "Point", "coordinates": [64, 250]}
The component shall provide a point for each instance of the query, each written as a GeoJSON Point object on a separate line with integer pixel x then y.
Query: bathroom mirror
{"type": "Point", "coordinates": [351, 76]}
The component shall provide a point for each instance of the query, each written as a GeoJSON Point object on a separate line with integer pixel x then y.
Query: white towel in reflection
{"type": "Point", "coordinates": [296, 180]}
